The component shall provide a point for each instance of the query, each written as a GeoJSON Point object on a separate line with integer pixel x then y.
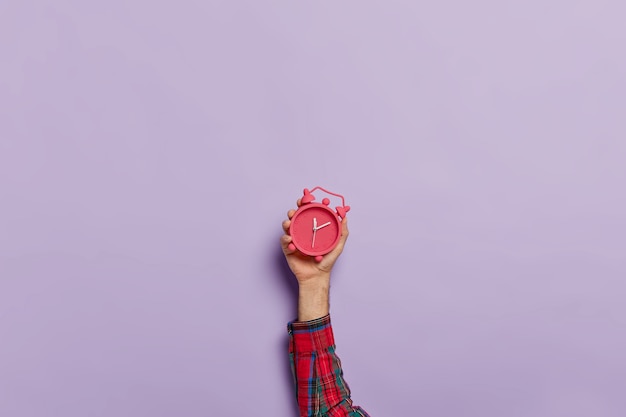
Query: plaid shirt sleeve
{"type": "Point", "coordinates": [320, 388]}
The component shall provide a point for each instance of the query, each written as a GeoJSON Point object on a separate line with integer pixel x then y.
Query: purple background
{"type": "Point", "coordinates": [149, 151]}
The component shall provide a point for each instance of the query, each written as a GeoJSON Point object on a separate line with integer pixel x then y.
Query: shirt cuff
{"type": "Point", "coordinates": [310, 336]}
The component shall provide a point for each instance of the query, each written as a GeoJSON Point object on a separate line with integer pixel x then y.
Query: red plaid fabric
{"type": "Point", "coordinates": [320, 388]}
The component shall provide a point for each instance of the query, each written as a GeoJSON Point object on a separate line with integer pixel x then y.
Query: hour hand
{"type": "Point", "coordinates": [324, 225]}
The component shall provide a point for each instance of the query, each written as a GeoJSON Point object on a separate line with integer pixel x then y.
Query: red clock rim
{"type": "Point", "coordinates": [334, 215]}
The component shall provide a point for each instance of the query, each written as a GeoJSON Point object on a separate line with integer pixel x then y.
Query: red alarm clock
{"type": "Point", "coordinates": [315, 228]}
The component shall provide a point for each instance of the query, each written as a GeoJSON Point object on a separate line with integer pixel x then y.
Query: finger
{"type": "Point", "coordinates": [290, 213]}
{"type": "Point", "coordinates": [286, 225]}
{"type": "Point", "coordinates": [344, 229]}
{"type": "Point", "coordinates": [344, 236]}
{"type": "Point", "coordinates": [285, 241]}
{"type": "Point", "coordinates": [299, 202]}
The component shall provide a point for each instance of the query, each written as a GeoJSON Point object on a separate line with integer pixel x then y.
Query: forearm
{"type": "Point", "coordinates": [320, 387]}
{"type": "Point", "coordinates": [313, 298]}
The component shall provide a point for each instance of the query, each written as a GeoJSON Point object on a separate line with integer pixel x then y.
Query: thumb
{"type": "Point", "coordinates": [342, 240]}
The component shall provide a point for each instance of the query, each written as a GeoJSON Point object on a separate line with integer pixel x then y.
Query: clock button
{"type": "Point", "coordinates": [325, 201]}
{"type": "Point", "coordinates": [341, 211]}
{"type": "Point", "coordinates": [308, 197]}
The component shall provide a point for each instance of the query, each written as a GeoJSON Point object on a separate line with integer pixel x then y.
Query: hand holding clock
{"type": "Point", "coordinates": [304, 267]}
{"type": "Point", "coordinates": [313, 264]}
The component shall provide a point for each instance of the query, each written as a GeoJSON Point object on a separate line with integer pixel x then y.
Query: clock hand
{"type": "Point", "coordinates": [324, 225]}
{"type": "Point", "coordinates": [314, 232]}
{"type": "Point", "coordinates": [314, 223]}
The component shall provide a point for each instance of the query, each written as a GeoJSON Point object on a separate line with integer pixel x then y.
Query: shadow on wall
{"type": "Point", "coordinates": [285, 280]}
{"type": "Point", "coordinates": [288, 285]}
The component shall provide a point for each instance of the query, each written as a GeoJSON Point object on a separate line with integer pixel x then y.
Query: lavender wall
{"type": "Point", "coordinates": [149, 151]}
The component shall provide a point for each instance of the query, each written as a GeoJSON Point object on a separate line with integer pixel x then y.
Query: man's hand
{"type": "Point", "coordinates": [313, 277]}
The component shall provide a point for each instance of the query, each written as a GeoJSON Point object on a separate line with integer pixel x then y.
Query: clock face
{"type": "Point", "coordinates": [315, 229]}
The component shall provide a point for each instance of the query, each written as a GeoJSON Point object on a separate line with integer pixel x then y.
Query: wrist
{"type": "Point", "coordinates": [317, 282]}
